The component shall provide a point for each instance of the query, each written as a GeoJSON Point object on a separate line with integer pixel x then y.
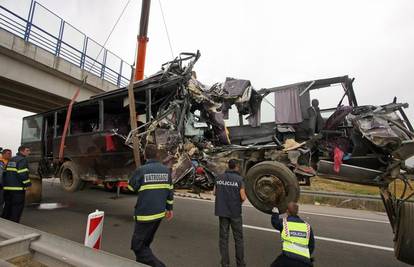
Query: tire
{"type": "Point", "coordinates": [270, 184]}
{"type": "Point", "coordinates": [404, 241]}
{"type": "Point", "coordinates": [69, 177]}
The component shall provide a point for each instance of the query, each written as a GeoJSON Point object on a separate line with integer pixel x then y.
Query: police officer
{"type": "Point", "coordinates": [153, 184]}
{"type": "Point", "coordinates": [5, 157]}
{"type": "Point", "coordinates": [15, 182]}
{"type": "Point", "coordinates": [297, 238]}
{"type": "Point", "coordinates": [230, 194]}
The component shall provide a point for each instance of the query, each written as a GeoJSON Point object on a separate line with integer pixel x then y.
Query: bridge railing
{"type": "Point", "coordinates": [47, 30]}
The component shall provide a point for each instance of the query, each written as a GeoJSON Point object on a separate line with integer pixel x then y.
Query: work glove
{"type": "Point", "coordinates": [275, 210]}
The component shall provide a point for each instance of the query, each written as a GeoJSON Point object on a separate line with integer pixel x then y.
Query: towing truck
{"type": "Point", "coordinates": [366, 145]}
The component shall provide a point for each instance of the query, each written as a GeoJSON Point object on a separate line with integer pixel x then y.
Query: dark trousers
{"type": "Point", "coordinates": [13, 205]}
{"type": "Point", "coordinates": [237, 229]}
{"type": "Point", "coordinates": [284, 261]}
{"type": "Point", "coordinates": [1, 199]}
{"type": "Point", "coordinates": [141, 241]}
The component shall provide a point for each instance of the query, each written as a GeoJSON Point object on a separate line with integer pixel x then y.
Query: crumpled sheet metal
{"type": "Point", "coordinates": [181, 168]}
{"type": "Point", "coordinates": [377, 129]}
{"type": "Point", "coordinates": [217, 162]}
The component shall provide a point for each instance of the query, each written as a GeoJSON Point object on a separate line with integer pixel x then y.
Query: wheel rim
{"type": "Point", "coordinates": [269, 189]}
{"type": "Point", "coordinates": [67, 176]}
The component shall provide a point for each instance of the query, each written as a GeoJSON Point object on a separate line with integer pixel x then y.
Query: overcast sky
{"type": "Point", "coordinates": [268, 42]}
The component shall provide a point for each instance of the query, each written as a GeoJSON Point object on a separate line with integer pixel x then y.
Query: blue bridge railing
{"type": "Point", "coordinates": [47, 30]}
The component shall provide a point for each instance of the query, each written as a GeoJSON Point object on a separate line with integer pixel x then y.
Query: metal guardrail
{"type": "Point", "coordinates": [17, 240]}
{"type": "Point", "coordinates": [66, 42]}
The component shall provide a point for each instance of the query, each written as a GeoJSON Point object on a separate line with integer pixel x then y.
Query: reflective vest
{"type": "Point", "coordinates": [153, 184]}
{"type": "Point", "coordinates": [16, 177]}
{"type": "Point", "coordinates": [295, 239]}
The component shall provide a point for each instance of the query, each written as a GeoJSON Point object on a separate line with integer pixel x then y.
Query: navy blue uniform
{"type": "Point", "coordinates": [15, 182]}
{"type": "Point", "coordinates": [2, 169]}
{"type": "Point", "coordinates": [288, 259]}
{"type": "Point", "coordinates": [228, 207]}
{"type": "Point", "coordinates": [153, 184]}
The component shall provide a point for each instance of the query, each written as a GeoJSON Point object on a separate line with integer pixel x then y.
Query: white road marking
{"type": "Point", "coordinates": [303, 212]}
{"type": "Point", "coordinates": [326, 239]}
{"type": "Point", "coordinates": [344, 217]}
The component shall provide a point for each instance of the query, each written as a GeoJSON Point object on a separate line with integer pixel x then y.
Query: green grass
{"type": "Point", "coordinates": [319, 184]}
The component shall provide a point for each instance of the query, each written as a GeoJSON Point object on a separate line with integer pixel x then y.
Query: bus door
{"type": "Point", "coordinates": [46, 163]}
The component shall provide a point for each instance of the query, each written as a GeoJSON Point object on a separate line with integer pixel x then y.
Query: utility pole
{"type": "Point", "coordinates": [133, 120]}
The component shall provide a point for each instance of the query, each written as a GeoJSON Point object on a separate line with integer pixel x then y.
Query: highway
{"type": "Point", "coordinates": [344, 237]}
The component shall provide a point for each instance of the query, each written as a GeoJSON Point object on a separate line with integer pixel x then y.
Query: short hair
{"type": "Point", "coordinates": [6, 150]}
{"type": "Point", "coordinates": [232, 164]}
{"type": "Point", "coordinates": [151, 151]}
{"type": "Point", "coordinates": [23, 148]}
{"type": "Point", "coordinates": [293, 208]}
{"type": "Point", "coordinates": [315, 102]}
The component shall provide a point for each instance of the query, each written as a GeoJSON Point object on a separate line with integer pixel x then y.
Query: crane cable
{"type": "Point", "coordinates": [109, 35]}
{"type": "Point", "coordinates": [166, 29]}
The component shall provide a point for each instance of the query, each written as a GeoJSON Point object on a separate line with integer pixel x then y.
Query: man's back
{"type": "Point", "coordinates": [153, 183]}
{"type": "Point", "coordinates": [230, 194]}
{"type": "Point", "coordinates": [228, 200]}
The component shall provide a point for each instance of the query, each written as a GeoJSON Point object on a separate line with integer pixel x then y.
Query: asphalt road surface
{"type": "Point", "coordinates": [344, 237]}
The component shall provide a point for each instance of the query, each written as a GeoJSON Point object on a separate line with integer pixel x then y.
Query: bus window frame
{"type": "Point", "coordinates": [23, 141]}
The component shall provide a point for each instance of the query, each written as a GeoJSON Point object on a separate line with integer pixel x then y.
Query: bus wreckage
{"type": "Point", "coordinates": [365, 145]}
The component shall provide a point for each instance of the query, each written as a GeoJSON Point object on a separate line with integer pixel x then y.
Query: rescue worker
{"type": "Point", "coordinates": [298, 242]}
{"type": "Point", "coordinates": [153, 184]}
{"type": "Point", "coordinates": [15, 182]}
{"type": "Point", "coordinates": [5, 157]}
{"type": "Point", "coordinates": [230, 194]}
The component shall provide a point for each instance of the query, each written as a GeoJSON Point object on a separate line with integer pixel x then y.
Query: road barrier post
{"type": "Point", "coordinates": [93, 235]}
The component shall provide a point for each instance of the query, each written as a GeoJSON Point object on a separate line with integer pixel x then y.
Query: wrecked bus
{"type": "Point", "coordinates": [366, 145]}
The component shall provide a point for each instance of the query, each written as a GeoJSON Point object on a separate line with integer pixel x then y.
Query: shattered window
{"type": "Point", "coordinates": [116, 115]}
{"type": "Point", "coordinates": [32, 129]}
{"type": "Point", "coordinates": [329, 98]}
{"type": "Point", "coordinates": [85, 119]}
{"type": "Point", "coordinates": [410, 162]}
{"type": "Point", "coordinates": [267, 109]}
{"type": "Point", "coordinates": [233, 119]}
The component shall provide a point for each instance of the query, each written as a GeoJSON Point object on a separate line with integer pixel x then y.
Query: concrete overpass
{"type": "Point", "coordinates": [35, 76]}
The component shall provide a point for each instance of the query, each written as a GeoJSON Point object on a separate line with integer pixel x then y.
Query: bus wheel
{"type": "Point", "coordinates": [271, 184]}
{"type": "Point", "coordinates": [404, 236]}
{"type": "Point", "coordinates": [69, 177]}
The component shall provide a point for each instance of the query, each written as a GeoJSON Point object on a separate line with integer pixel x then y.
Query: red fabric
{"type": "Point", "coordinates": [338, 155]}
{"type": "Point", "coordinates": [199, 170]}
{"type": "Point", "coordinates": [110, 146]}
{"type": "Point", "coordinates": [123, 184]}
{"type": "Point", "coordinates": [94, 224]}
